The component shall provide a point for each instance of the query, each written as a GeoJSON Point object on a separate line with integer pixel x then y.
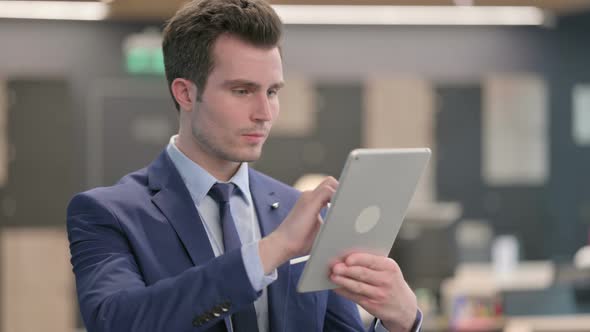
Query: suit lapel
{"type": "Point", "coordinates": [175, 202]}
{"type": "Point", "coordinates": [269, 218]}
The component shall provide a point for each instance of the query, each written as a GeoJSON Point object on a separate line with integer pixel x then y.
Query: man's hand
{"type": "Point", "coordinates": [377, 284]}
{"type": "Point", "coordinates": [295, 236]}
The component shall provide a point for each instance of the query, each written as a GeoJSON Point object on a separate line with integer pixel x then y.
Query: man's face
{"type": "Point", "coordinates": [239, 101]}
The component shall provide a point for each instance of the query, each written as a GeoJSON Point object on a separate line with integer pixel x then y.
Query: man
{"type": "Point", "coordinates": [197, 241]}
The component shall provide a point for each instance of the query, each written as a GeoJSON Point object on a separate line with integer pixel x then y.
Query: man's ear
{"type": "Point", "coordinates": [185, 93]}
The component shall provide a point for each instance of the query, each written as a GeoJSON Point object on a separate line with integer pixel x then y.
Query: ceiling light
{"type": "Point", "coordinates": [54, 10]}
{"type": "Point", "coordinates": [410, 15]}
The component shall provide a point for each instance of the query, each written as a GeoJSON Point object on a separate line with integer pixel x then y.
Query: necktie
{"type": "Point", "coordinates": [244, 320]}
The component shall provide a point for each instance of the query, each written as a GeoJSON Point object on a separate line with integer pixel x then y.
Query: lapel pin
{"type": "Point", "coordinates": [275, 205]}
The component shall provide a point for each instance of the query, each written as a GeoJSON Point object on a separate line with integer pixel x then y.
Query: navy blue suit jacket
{"type": "Point", "coordinates": [143, 261]}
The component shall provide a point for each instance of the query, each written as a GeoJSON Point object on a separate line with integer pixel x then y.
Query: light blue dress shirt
{"type": "Point", "coordinates": [199, 182]}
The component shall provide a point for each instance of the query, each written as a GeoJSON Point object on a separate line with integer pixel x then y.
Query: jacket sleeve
{"type": "Point", "coordinates": [113, 295]}
{"type": "Point", "coordinates": [342, 315]}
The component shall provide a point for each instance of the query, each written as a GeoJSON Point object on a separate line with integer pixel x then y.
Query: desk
{"type": "Point", "coordinates": [566, 323]}
{"type": "Point", "coordinates": [479, 280]}
{"type": "Point", "coordinates": [561, 323]}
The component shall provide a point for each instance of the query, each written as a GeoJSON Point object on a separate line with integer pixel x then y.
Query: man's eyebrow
{"type": "Point", "coordinates": [251, 84]}
{"type": "Point", "coordinates": [278, 85]}
{"type": "Point", "coordinates": [241, 82]}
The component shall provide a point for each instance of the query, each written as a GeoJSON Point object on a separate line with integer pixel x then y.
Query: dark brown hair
{"type": "Point", "coordinates": [189, 36]}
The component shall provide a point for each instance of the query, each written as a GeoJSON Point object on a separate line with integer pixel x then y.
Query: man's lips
{"type": "Point", "coordinates": [255, 134]}
{"type": "Point", "coordinates": [256, 137]}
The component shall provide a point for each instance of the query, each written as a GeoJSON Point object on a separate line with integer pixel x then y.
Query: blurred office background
{"type": "Point", "coordinates": [494, 238]}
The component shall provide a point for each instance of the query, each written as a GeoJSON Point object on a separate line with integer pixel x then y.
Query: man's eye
{"type": "Point", "coordinates": [272, 92]}
{"type": "Point", "coordinates": [240, 92]}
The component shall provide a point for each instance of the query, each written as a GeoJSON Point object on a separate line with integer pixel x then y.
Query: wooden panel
{"type": "Point", "coordinates": [399, 113]}
{"type": "Point", "coordinates": [37, 288]}
{"type": "Point", "coordinates": [298, 116]}
{"type": "Point", "coordinates": [515, 130]}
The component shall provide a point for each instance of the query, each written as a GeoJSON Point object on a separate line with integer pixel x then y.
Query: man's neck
{"type": "Point", "coordinates": [222, 170]}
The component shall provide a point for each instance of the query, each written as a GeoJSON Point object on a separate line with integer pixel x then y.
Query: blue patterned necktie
{"type": "Point", "coordinates": [245, 319]}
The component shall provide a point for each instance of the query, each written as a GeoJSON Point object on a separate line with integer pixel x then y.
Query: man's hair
{"type": "Point", "coordinates": [190, 34]}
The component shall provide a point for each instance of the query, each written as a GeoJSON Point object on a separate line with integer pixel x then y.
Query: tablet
{"type": "Point", "coordinates": [367, 210]}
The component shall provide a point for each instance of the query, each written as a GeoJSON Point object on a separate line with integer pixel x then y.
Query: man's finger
{"type": "Point", "coordinates": [320, 196]}
{"type": "Point", "coordinates": [359, 288]}
{"type": "Point", "coordinates": [370, 261]}
{"type": "Point", "coordinates": [362, 274]}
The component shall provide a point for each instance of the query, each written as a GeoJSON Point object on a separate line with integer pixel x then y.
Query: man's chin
{"type": "Point", "coordinates": [251, 159]}
{"type": "Point", "coordinates": [248, 157]}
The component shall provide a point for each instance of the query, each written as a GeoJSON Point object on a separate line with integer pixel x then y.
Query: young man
{"type": "Point", "coordinates": [197, 241]}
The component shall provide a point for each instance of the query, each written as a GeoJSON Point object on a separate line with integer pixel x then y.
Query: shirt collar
{"type": "Point", "coordinates": [199, 181]}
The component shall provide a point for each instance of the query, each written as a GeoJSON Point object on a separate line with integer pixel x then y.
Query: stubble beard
{"type": "Point", "coordinates": [207, 144]}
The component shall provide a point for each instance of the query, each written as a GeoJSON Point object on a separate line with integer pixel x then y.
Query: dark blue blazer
{"type": "Point", "coordinates": [143, 261]}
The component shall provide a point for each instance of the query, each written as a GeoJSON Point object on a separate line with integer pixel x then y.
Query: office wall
{"type": "Point", "coordinates": [335, 57]}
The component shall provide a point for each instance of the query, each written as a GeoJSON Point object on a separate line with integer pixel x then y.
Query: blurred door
{"type": "Point", "coordinates": [40, 152]}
